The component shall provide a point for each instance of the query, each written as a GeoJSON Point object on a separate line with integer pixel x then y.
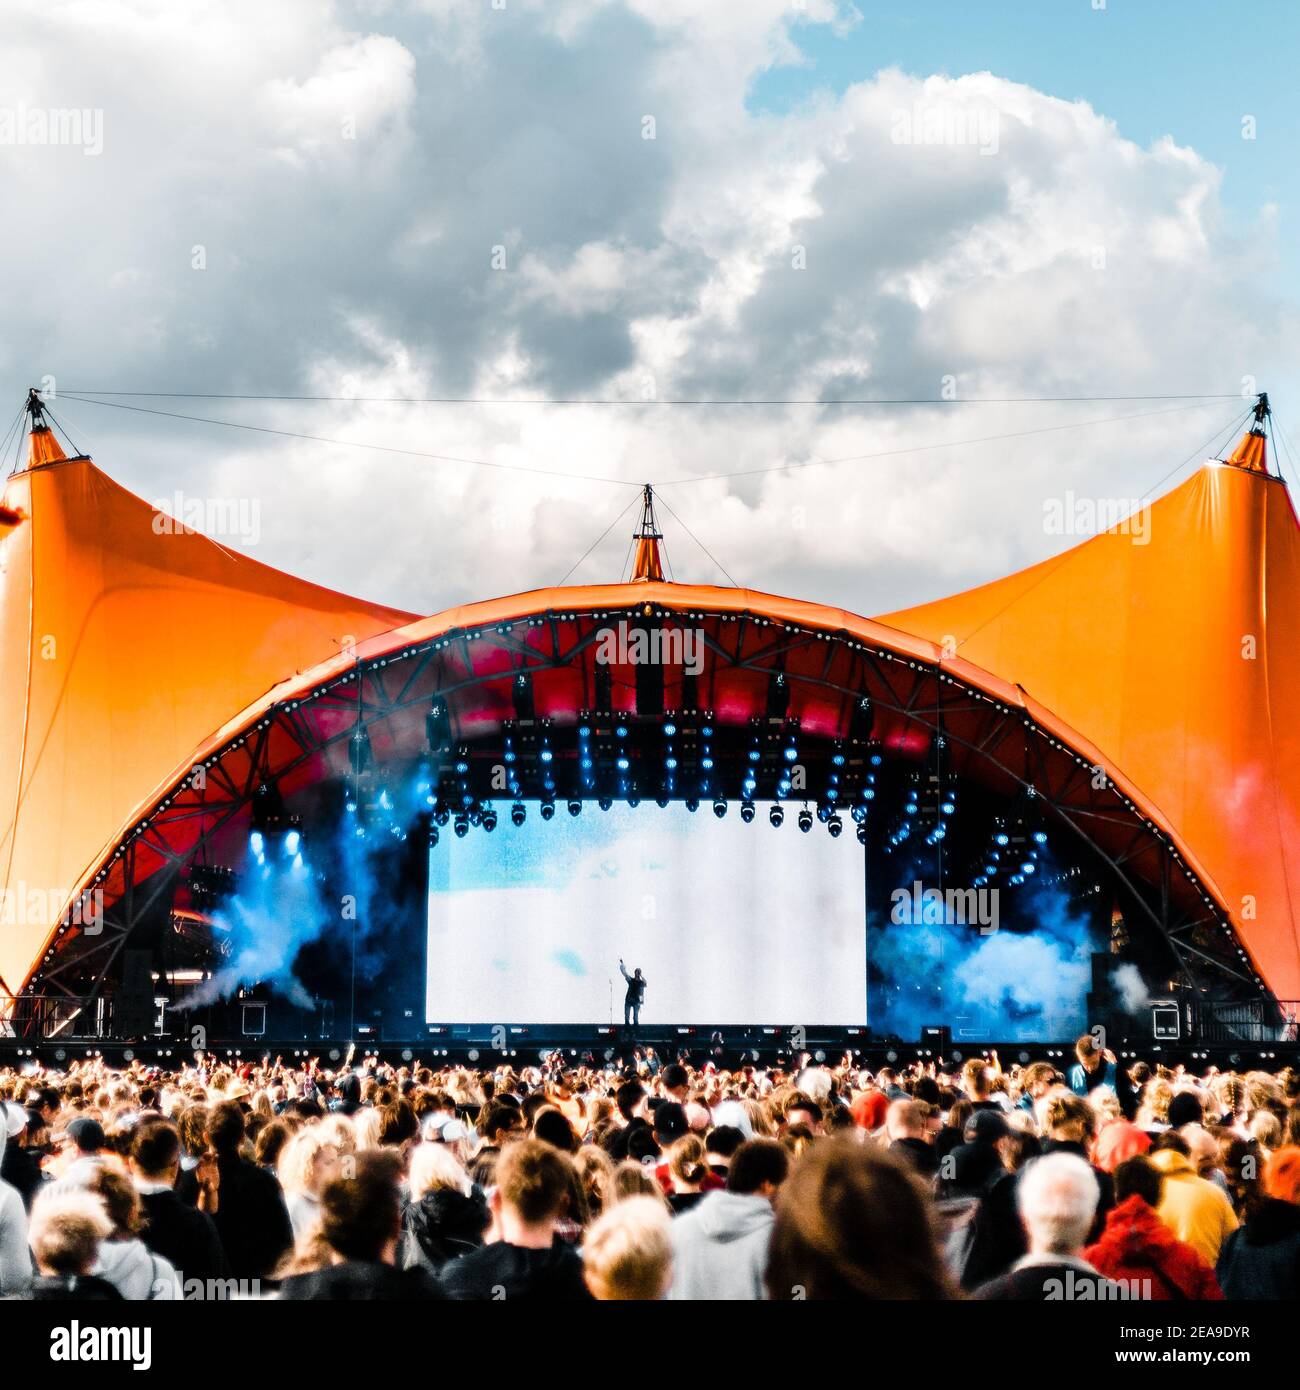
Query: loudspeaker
{"type": "Point", "coordinates": [252, 1022]}
{"type": "Point", "coordinates": [1166, 1019]}
{"type": "Point", "coordinates": [133, 1014]}
{"type": "Point", "coordinates": [938, 1038]}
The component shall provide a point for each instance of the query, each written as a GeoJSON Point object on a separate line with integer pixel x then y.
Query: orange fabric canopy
{"type": "Point", "coordinates": [125, 639]}
{"type": "Point", "coordinates": [1172, 643]}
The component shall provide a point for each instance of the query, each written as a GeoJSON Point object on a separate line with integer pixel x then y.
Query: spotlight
{"type": "Point", "coordinates": [359, 750]}
{"type": "Point", "coordinates": [747, 811]}
{"type": "Point", "coordinates": [256, 843]}
{"type": "Point", "coordinates": [433, 836]}
{"type": "Point", "coordinates": [692, 804]}
{"type": "Point", "coordinates": [862, 834]}
{"type": "Point", "coordinates": [719, 808]}
{"type": "Point", "coordinates": [548, 810]}
{"type": "Point", "coordinates": [835, 825]}
{"type": "Point", "coordinates": [292, 843]}
{"type": "Point", "coordinates": [824, 812]}
{"type": "Point", "coordinates": [461, 826]}
{"type": "Point", "coordinates": [776, 815]}
{"type": "Point", "coordinates": [490, 819]}
{"type": "Point", "coordinates": [604, 803]}
{"type": "Point", "coordinates": [1028, 867]}
{"type": "Point", "coordinates": [441, 814]}
{"type": "Point", "coordinates": [518, 813]}
{"type": "Point", "coordinates": [633, 802]}
{"type": "Point", "coordinates": [805, 820]}
{"type": "Point", "coordinates": [661, 802]}
{"type": "Point", "coordinates": [575, 807]}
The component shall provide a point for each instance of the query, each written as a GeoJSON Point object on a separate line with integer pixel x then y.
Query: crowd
{"type": "Point", "coordinates": [649, 1179]}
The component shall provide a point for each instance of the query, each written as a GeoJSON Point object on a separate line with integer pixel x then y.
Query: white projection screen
{"type": "Point", "coordinates": [730, 923]}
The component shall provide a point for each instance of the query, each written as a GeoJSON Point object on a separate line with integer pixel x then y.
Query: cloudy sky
{"type": "Point", "coordinates": [627, 203]}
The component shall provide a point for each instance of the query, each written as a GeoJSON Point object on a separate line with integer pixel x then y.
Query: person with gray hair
{"type": "Point", "coordinates": [1057, 1196]}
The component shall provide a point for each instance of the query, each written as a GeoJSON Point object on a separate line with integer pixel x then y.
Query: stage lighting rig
{"type": "Point", "coordinates": [437, 726]}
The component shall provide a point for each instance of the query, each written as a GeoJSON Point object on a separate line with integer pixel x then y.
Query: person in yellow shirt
{"type": "Point", "coordinates": [1194, 1208]}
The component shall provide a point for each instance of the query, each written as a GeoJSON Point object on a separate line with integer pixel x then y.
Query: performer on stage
{"type": "Point", "coordinates": [635, 994]}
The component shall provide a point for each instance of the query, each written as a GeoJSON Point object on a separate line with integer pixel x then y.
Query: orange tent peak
{"type": "Point", "coordinates": [1251, 452]}
{"type": "Point", "coordinates": [648, 565]}
{"type": "Point", "coordinates": [43, 447]}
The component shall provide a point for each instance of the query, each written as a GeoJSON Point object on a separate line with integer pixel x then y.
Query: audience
{"type": "Point", "coordinates": [571, 1180]}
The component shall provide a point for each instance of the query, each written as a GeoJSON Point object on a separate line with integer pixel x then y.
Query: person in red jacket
{"type": "Point", "coordinates": [1137, 1249]}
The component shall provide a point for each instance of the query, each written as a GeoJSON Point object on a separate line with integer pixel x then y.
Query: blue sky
{"type": "Point", "coordinates": [1190, 70]}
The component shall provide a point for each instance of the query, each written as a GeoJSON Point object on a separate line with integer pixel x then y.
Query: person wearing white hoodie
{"type": "Point", "coordinates": [720, 1246]}
{"type": "Point", "coordinates": [124, 1259]}
{"type": "Point", "coordinates": [15, 1260]}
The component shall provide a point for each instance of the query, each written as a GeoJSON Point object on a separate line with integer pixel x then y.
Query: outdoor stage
{"type": "Point", "coordinates": [379, 828]}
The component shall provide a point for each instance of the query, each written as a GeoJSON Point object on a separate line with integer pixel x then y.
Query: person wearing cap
{"type": "Point", "coordinates": [19, 1166]}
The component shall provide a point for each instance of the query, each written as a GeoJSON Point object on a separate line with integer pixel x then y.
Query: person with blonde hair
{"type": "Point", "coordinates": [447, 1215]}
{"type": "Point", "coordinates": [366, 1124]}
{"type": "Point", "coordinates": [628, 1252]}
{"type": "Point", "coordinates": [595, 1171]}
{"type": "Point", "coordinates": [307, 1163]}
{"type": "Point", "coordinates": [68, 1226]}
{"type": "Point", "coordinates": [688, 1169]}
{"type": "Point", "coordinates": [633, 1179]}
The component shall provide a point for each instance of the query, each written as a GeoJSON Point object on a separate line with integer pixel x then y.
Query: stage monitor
{"type": "Point", "coordinates": [730, 923]}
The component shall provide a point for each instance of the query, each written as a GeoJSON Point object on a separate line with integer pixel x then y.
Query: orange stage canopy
{"type": "Point", "coordinates": [1172, 643]}
{"type": "Point", "coordinates": [125, 639]}
{"type": "Point", "coordinates": [1167, 651]}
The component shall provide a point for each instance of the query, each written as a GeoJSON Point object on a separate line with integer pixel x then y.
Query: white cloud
{"type": "Point", "coordinates": [1066, 260]}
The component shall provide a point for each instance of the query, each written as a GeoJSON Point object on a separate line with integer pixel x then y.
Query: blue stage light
{"type": "Point", "coordinates": [669, 730]}
{"type": "Point", "coordinates": [805, 820]}
{"type": "Point", "coordinates": [747, 811]}
{"type": "Point", "coordinates": [518, 813]}
{"type": "Point", "coordinates": [835, 825]}
{"type": "Point", "coordinates": [776, 816]}
{"type": "Point", "coordinates": [489, 820]}
{"type": "Point", "coordinates": [1040, 837]}
{"type": "Point", "coordinates": [691, 804]}
{"type": "Point", "coordinates": [707, 764]}
{"type": "Point", "coordinates": [604, 803]}
{"type": "Point", "coordinates": [621, 731]}
{"type": "Point", "coordinates": [548, 810]}
{"type": "Point", "coordinates": [791, 753]}
{"type": "Point", "coordinates": [546, 755]}
{"type": "Point", "coordinates": [256, 843]}
{"type": "Point", "coordinates": [838, 759]}
{"type": "Point", "coordinates": [670, 764]}
{"type": "Point", "coordinates": [461, 826]}
{"type": "Point", "coordinates": [575, 807]}
{"type": "Point", "coordinates": [623, 764]}
{"type": "Point", "coordinates": [1002, 839]}
{"type": "Point", "coordinates": [1028, 867]}
{"type": "Point", "coordinates": [862, 834]}
{"type": "Point", "coordinates": [719, 808]}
